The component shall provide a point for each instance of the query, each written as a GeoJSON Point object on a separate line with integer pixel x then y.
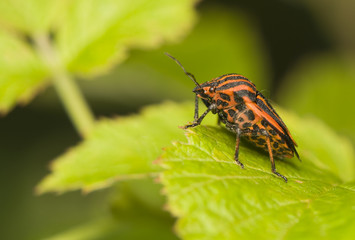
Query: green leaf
{"type": "Point", "coordinates": [30, 16]}
{"type": "Point", "coordinates": [22, 74]}
{"type": "Point", "coordinates": [215, 199]}
{"type": "Point", "coordinates": [153, 70]}
{"type": "Point", "coordinates": [323, 86]}
{"type": "Point", "coordinates": [322, 146]}
{"type": "Point", "coordinates": [94, 229]}
{"type": "Point", "coordinates": [96, 34]}
{"type": "Point", "coordinates": [87, 37]}
{"type": "Point", "coordinates": [120, 148]}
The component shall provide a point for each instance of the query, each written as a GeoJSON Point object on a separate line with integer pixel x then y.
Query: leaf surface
{"type": "Point", "coordinates": [96, 34]}
{"type": "Point", "coordinates": [30, 16]}
{"type": "Point", "coordinates": [22, 74]}
{"type": "Point", "coordinates": [214, 198]}
{"type": "Point", "coordinates": [87, 37]}
{"type": "Point", "coordinates": [120, 148]}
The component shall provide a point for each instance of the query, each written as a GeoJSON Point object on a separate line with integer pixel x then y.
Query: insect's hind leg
{"type": "Point", "coordinates": [273, 168]}
{"type": "Point", "coordinates": [236, 154]}
{"type": "Point", "coordinates": [268, 143]}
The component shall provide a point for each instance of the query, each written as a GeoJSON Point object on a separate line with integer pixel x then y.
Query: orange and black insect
{"type": "Point", "coordinates": [246, 112]}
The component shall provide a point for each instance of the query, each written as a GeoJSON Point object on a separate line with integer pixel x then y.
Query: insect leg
{"type": "Point", "coordinates": [199, 120]}
{"type": "Point", "coordinates": [219, 120]}
{"type": "Point", "coordinates": [196, 108]}
{"type": "Point", "coordinates": [273, 168]}
{"type": "Point", "coordinates": [237, 149]}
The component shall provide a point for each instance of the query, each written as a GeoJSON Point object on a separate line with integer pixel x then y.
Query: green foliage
{"type": "Point", "coordinates": [117, 26]}
{"type": "Point", "coordinates": [121, 148]}
{"type": "Point", "coordinates": [31, 16]}
{"type": "Point", "coordinates": [215, 199]}
{"type": "Point", "coordinates": [22, 73]}
{"type": "Point", "coordinates": [90, 37]}
{"type": "Point", "coordinates": [206, 190]}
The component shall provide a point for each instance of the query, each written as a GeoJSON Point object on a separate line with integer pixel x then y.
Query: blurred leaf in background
{"type": "Point", "coordinates": [22, 72]}
{"type": "Point", "coordinates": [89, 37]}
{"type": "Point", "coordinates": [94, 35]}
{"type": "Point", "coordinates": [215, 47]}
{"type": "Point", "coordinates": [29, 17]}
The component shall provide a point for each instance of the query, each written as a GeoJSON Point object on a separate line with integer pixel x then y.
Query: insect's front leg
{"type": "Point", "coordinates": [199, 120]}
{"type": "Point", "coordinates": [196, 108]}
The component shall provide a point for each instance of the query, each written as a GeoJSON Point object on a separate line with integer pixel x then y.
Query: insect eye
{"type": "Point", "coordinates": [212, 89]}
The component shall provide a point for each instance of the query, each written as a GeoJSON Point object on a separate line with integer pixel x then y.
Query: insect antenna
{"type": "Point", "coordinates": [190, 75]}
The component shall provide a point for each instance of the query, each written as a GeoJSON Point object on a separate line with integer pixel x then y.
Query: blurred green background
{"type": "Point", "coordinates": [300, 54]}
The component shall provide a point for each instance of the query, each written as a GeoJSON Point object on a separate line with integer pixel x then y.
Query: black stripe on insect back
{"type": "Point", "coordinates": [230, 76]}
{"type": "Point", "coordinates": [244, 93]}
{"type": "Point", "coordinates": [232, 84]}
{"type": "Point", "coordinates": [270, 107]}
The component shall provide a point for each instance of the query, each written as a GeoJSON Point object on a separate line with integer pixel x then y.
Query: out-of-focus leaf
{"type": "Point", "coordinates": [217, 45]}
{"type": "Point", "coordinates": [120, 148]}
{"type": "Point", "coordinates": [22, 74]}
{"type": "Point", "coordinates": [86, 37]}
{"type": "Point", "coordinates": [95, 34]}
{"type": "Point", "coordinates": [96, 229]}
{"type": "Point", "coordinates": [215, 199]}
{"type": "Point", "coordinates": [30, 16]}
{"type": "Point", "coordinates": [323, 86]}
{"type": "Point", "coordinates": [322, 146]}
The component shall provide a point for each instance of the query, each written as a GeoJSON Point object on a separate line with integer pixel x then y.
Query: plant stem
{"type": "Point", "coordinates": [68, 91]}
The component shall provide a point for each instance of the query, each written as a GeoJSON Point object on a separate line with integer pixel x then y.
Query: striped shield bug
{"type": "Point", "coordinates": [245, 112]}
